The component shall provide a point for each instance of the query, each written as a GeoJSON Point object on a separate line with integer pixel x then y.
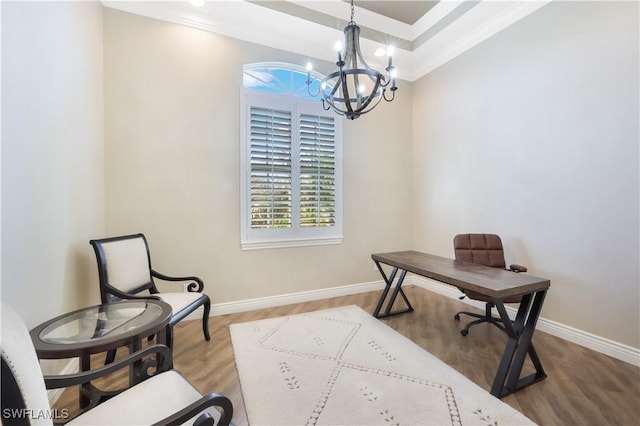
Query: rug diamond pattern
{"type": "Point", "coordinates": [313, 336]}
{"type": "Point", "coordinates": [379, 391]}
{"type": "Point", "coordinates": [340, 367]}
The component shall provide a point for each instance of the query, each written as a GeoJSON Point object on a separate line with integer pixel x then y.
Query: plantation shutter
{"type": "Point", "coordinates": [317, 171]}
{"type": "Point", "coordinates": [270, 163]}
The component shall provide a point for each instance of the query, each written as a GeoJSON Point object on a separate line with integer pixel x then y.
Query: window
{"type": "Point", "coordinates": [291, 162]}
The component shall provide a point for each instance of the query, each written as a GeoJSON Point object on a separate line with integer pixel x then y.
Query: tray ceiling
{"type": "Point", "coordinates": [426, 34]}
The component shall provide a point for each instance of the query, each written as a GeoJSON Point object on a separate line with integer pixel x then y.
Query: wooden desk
{"type": "Point", "coordinates": [495, 283]}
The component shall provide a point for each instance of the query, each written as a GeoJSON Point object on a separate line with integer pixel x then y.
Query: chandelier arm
{"type": "Point", "coordinates": [309, 90]}
{"type": "Point", "coordinates": [393, 95]}
{"type": "Point", "coordinates": [385, 83]}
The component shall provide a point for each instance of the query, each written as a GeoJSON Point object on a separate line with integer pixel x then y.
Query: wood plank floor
{"type": "Point", "coordinates": [583, 387]}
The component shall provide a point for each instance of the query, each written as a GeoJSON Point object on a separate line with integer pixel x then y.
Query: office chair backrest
{"type": "Point", "coordinates": [483, 249]}
{"type": "Point", "coordinates": [24, 396]}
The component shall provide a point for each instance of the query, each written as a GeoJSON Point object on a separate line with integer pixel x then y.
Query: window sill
{"type": "Point", "coordinates": [301, 242]}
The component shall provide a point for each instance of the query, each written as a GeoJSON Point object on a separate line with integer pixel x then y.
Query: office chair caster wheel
{"type": "Point", "coordinates": [457, 317]}
{"type": "Point", "coordinates": [464, 332]}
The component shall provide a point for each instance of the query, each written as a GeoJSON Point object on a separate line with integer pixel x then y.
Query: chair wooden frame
{"type": "Point", "coordinates": [24, 398]}
{"type": "Point", "coordinates": [109, 293]}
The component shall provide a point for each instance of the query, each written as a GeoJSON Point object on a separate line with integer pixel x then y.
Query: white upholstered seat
{"type": "Point", "coordinates": [153, 401]}
{"type": "Point", "coordinates": [179, 301]}
{"type": "Point", "coordinates": [163, 395]}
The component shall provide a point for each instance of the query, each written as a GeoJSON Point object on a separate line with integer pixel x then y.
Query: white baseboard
{"type": "Point", "coordinates": [71, 367]}
{"type": "Point", "coordinates": [599, 344]}
{"type": "Point", "coordinates": [291, 298]}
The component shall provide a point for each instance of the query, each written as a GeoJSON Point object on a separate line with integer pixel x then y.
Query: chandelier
{"type": "Point", "coordinates": [354, 88]}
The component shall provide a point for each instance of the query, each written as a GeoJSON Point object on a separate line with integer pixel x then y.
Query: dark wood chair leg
{"type": "Point", "coordinates": [205, 320]}
{"type": "Point", "coordinates": [169, 336]}
{"type": "Point", "coordinates": [111, 356]}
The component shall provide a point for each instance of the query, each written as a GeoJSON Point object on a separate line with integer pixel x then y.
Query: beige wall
{"type": "Point", "coordinates": [538, 125]}
{"type": "Point", "coordinates": [534, 135]}
{"type": "Point", "coordinates": [52, 155]}
{"type": "Point", "coordinates": [172, 152]}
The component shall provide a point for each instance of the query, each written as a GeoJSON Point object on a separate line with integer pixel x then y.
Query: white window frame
{"type": "Point", "coordinates": [296, 236]}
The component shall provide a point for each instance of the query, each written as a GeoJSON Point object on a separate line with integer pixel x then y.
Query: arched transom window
{"type": "Point", "coordinates": [279, 78]}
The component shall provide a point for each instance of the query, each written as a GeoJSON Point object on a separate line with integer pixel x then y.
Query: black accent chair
{"type": "Point", "coordinates": [164, 397]}
{"type": "Point", "coordinates": [125, 272]}
{"type": "Point", "coordinates": [487, 250]}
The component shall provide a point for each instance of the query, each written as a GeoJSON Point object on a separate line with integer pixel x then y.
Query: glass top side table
{"type": "Point", "coordinates": [101, 328]}
{"type": "Point", "coordinates": [100, 322]}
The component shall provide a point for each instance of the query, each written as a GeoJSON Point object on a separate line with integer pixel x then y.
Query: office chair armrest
{"type": "Point", "coordinates": [67, 380]}
{"type": "Point", "coordinates": [197, 285]}
{"type": "Point", "coordinates": [209, 400]}
{"type": "Point", "coordinates": [518, 268]}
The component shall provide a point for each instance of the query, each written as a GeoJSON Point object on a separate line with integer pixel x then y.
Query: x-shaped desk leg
{"type": "Point", "coordinates": [520, 333]}
{"type": "Point", "coordinates": [398, 289]}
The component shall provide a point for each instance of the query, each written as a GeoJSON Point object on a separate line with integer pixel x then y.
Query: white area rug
{"type": "Point", "coordinates": [344, 367]}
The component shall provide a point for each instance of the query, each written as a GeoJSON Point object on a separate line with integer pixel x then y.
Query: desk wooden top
{"type": "Point", "coordinates": [493, 282]}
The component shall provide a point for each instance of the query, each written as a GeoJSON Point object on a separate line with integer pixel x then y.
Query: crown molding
{"type": "Point", "coordinates": [446, 31]}
{"type": "Point", "coordinates": [490, 23]}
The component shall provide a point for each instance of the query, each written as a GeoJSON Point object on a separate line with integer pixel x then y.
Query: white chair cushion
{"type": "Point", "coordinates": [18, 352]}
{"type": "Point", "coordinates": [127, 263]}
{"type": "Point", "coordinates": [146, 403]}
{"type": "Point", "coordinates": [179, 301]}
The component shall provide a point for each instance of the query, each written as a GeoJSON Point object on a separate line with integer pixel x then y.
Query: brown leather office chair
{"type": "Point", "coordinates": [483, 249]}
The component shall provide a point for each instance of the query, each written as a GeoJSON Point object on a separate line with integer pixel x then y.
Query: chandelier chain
{"type": "Point", "coordinates": [352, 9]}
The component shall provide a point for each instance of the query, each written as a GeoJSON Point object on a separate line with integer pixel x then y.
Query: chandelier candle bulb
{"type": "Point", "coordinates": [308, 82]}
{"type": "Point", "coordinates": [338, 47]}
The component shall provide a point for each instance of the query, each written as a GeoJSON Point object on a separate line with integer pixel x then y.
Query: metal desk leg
{"type": "Point", "coordinates": [388, 282]}
{"type": "Point", "coordinates": [518, 346]}
{"type": "Point", "coordinates": [397, 290]}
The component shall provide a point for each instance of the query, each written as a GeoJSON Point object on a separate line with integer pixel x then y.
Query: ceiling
{"type": "Point", "coordinates": [426, 34]}
{"type": "Point", "coordinates": [404, 11]}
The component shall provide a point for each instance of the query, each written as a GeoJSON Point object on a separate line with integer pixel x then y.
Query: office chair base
{"type": "Point", "coordinates": [487, 317]}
